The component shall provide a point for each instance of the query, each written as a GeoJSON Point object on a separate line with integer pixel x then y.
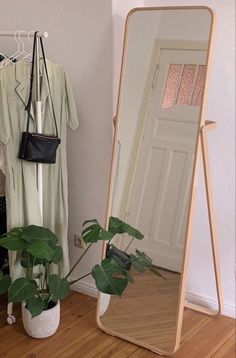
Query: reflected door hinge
{"type": "Point", "coordinates": [154, 83]}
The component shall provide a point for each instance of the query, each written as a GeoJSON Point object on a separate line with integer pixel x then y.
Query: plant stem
{"type": "Point", "coordinates": [48, 299]}
{"type": "Point", "coordinates": [40, 283]}
{"type": "Point", "coordinates": [78, 261]}
{"type": "Point", "coordinates": [32, 273]}
{"type": "Point", "coordinates": [28, 266]}
{"type": "Point", "coordinates": [47, 268]}
{"type": "Point", "coordinates": [129, 244]}
{"type": "Point", "coordinates": [74, 281]}
{"type": "Point", "coordinates": [45, 280]}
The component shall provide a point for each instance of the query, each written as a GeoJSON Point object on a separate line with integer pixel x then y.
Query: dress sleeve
{"type": "Point", "coordinates": [72, 116]}
{"type": "Point", "coordinates": [4, 115]}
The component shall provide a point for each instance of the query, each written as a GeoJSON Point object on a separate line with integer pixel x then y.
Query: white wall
{"type": "Point", "coordinates": [80, 38]}
{"type": "Point", "coordinates": [220, 108]}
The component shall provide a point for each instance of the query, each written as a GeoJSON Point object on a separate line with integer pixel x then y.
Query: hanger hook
{"type": "Point", "coordinates": [31, 31]}
{"type": "Point", "coordinates": [15, 38]}
{"type": "Point", "coordinates": [22, 42]}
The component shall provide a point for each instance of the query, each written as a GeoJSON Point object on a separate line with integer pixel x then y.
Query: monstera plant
{"type": "Point", "coordinates": [40, 289]}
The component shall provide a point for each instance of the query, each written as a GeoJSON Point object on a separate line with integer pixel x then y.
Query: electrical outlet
{"type": "Point", "coordinates": [79, 242]}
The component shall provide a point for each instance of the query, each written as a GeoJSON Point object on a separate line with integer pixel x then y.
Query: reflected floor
{"type": "Point", "coordinates": [147, 310]}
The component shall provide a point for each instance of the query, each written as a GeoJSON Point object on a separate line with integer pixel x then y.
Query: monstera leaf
{"type": "Point", "coordinates": [142, 262]}
{"type": "Point", "coordinates": [58, 255]}
{"type": "Point", "coordinates": [13, 240]}
{"type": "Point", "coordinates": [35, 305]}
{"type": "Point", "coordinates": [110, 277]}
{"type": "Point", "coordinates": [34, 233]}
{"type": "Point", "coordinates": [41, 250]}
{"type": "Point", "coordinates": [29, 260]}
{"type": "Point", "coordinates": [59, 287]}
{"type": "Point", "coordinates": [117, 226]}
{"type": "Point", "coordinates": [20, 238]}
{"type": "Point", "coordinates": [94, 232]}
{"type": "Point", "coordinates": [22, 289]}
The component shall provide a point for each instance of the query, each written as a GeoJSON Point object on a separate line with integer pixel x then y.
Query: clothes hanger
{"type": "Point", "coordinates": [8, 59]}
{"type": "Point", "coordinates": [28, 37]}
{"type": "Point", "coordinates": [2, 56]}
{"type": "Point", "coordinates": [22, 52]}
{"type": "Point", "coordinates": [28, 55]}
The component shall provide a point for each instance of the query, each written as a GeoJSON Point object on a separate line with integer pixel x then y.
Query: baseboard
{"type": "Point", "coordinates": [85, 288]}
{"type": "Point", "coordinates": [228, 310]}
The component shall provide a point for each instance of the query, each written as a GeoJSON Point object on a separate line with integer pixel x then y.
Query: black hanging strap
{"type": "Point", "coordinates": [28, 106]}
{"type": "Point", "coordinates": [49, 87]}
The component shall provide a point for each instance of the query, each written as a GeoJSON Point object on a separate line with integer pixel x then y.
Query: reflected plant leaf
{"type": "Point", "coordinates": [117, 226]}
{"type": "Point", "coordinates": [110, 277]}
{"type": "Point", "coordinates": [95, 232]}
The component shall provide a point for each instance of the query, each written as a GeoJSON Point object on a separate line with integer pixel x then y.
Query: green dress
{"type": "Point", "coordinates": [21, 176]}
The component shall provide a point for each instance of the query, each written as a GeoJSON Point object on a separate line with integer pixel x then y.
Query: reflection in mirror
{"type": "Point", "coordinates": [162, 86]}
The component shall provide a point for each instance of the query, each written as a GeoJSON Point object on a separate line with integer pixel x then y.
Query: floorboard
{"type": "Point", "coordinates": [79, 337]}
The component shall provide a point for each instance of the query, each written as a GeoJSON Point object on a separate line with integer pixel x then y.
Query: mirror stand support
{"type": "Point", "coordinates": [212, 224]}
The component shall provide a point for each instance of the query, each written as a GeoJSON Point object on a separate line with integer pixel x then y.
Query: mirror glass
{"type": "Point", "coordinates": [158, 121]}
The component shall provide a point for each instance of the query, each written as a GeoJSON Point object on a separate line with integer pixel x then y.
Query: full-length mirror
{"type": "Point", "coordinates": [158, 121]}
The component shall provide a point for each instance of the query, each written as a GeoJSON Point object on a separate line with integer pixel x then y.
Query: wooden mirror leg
{"type": "Point", "coordinates": [212, 224]}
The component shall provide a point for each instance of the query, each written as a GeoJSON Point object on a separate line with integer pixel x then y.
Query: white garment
{"type": "Point", "coordinates": [2, 184]}
{"type": "Point", "coordinates": [2, 171]}
{"type": "Point", "coordinates": [2, 159]}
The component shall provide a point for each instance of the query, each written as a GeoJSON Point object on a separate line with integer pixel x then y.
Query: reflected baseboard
{"type": "Point", "coordinates": [229, 310]}
{"type": "Point", "coordinates": [86, 288]}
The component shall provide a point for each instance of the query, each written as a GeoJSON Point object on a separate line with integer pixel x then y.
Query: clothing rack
{"type": "Point", "coordinates": [11, 318]}
{"type": "Point", "coordinates": [23, 34]}
{"type": "Point", "coordinates": [38, 99]}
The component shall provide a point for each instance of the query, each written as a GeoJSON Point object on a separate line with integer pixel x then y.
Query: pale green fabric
{"type": "Point", "coordinates": [21, 176]}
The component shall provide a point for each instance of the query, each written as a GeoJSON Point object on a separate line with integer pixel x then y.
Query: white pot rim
{"type": "Point", "coordinates": [48, 309]}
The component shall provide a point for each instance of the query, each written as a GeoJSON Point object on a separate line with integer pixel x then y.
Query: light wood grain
{"type": "Point", "coordinates": [228, 349]}
{"type": "Point", "coordinates": [147, 311]}
{"type": "Point", "coordinates": [211, 215]}
{"type": "Point", "coordinates": [79, 337]}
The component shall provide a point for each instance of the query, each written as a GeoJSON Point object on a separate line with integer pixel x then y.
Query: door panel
{"type": "Point", "coordinates": [159, 195]}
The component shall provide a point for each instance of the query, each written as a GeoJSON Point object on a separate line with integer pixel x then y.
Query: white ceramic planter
{"type": "Point", "coordinates": [43, 325]}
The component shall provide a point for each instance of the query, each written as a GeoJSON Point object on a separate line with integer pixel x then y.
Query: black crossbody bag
{"type": "Point", "coordinates": [39, 147]}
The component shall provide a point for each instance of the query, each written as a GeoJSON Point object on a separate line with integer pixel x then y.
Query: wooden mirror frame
{"type": "Point", "coordinates": [198, 151]}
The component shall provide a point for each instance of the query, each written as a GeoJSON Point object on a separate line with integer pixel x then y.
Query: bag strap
{"type": "Point", "coordinates": [49, 87]}
{"type": "Point", "coordinates": [28, 106]}
{"type": "Point", "coordinates": [29, 103]}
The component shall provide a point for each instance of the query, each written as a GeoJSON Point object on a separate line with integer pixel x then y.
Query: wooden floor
{"type": "Point", "coordinates": [147, 310]}
{"type": "Point", "coordinates": [79, 337]}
